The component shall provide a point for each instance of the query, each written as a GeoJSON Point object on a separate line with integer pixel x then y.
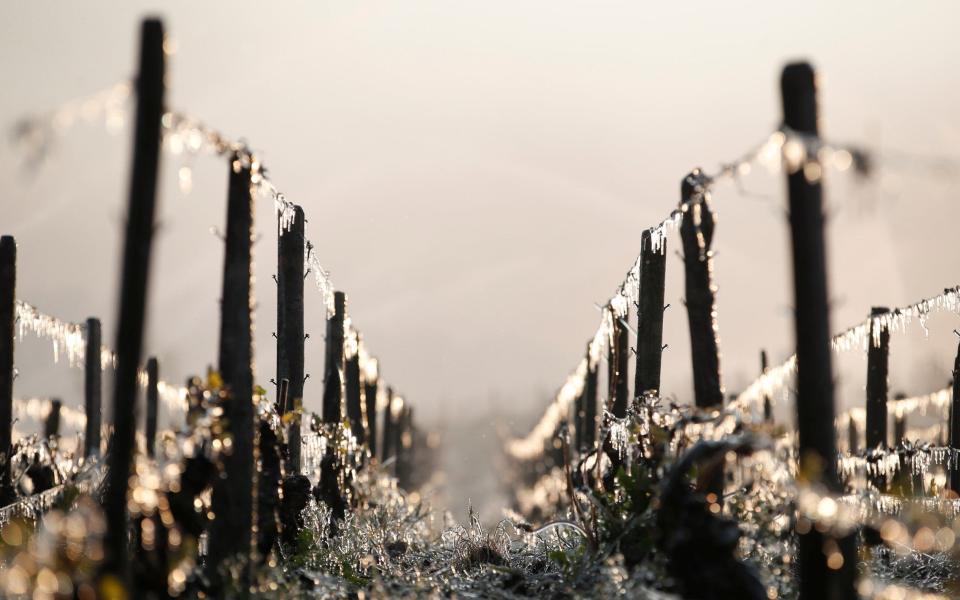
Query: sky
{"type": "Point", "coordinates": [476, 177]}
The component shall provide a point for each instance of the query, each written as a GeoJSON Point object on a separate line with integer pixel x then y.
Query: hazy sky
{"type": "Point", "coordinates": [476, 176]}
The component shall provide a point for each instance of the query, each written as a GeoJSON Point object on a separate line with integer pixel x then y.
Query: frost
{"type": "Point", "coordinates": [776, 380]}
{"type": "Point", "coordinates": [70, 339]}
{"type": "Point", "coordinates": [65, 337]}
{"type": "Point", "coordinates": [321, 277]}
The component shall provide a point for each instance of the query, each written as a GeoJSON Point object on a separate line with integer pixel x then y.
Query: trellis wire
{"type": "Point", "coordinates": [782, 147]}
{"type": "Point", "coordinates": [854, 337]}
{"type": "Point", "coordinates": [69, 338]}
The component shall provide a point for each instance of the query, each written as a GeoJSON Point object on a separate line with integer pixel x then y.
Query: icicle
{"type": "Point", "coordinates": [321, 277]}
{"type": "Point", "coordinates": [62, 335]}
{"type": "Point", "coordinates": [859, 337]}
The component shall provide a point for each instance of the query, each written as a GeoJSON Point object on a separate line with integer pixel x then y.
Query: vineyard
{"type": "Point", "coordinates": [231, 488]}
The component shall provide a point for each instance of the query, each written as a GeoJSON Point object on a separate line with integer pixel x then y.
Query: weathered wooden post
{"type": "Point", "coordinates": [617, 365]}
{"type": "Point", "coordinates": [370, 377]}
{"type": "Point", "coordinates": [954, 433]}
{"type": "Point", "coordinates": [878, 351]}
{"type": "Point", "coordinates": [330, 468]}
{"type": "Point", "coordinates": [93, 389]}
{"type": "Point", "coordinates": [397, 438]}
{"type": "Point", "coordinates": [410, 448]}
{"type": "Point", "coordinates": [290, 335]}
{"type": "Point", "coordinates": [51, 429]}
{"type": "Point", "coordinates": [589, 439]}
{"type": "Point", "coordinates": [387, 447]}
{"type": "Point", "coordinates": [853, 436]}
{"type": "Point", "coordinates": [767, 404]}
{"type": "Point", "coordinates": [153, 397]}
{"type": "Point", "coordinates": [283, 397]}
{"type": "Point", "coordinates": [553, 448]}
{"type": "Point", "coordinates": [231, 531]}
{"type": "Point", "coordinates": [878, 358]}
{"type": "Point", "coordinates": [905, 481]}
{"type": "Point", "coordinates": [653, 263]}
{"type": "Point", "coordinates": [578, 419]}
{"type": "Point", "coordinates": [353, 392]}
{"type": "Point", "coordinates": [8, 318]}
{"type": "Point", "coordinates": [333, 361]}
{"type": "Point", "coordinates": [899, 423]}
{"type": "Point", "coordinates": [696, 233]}
{"type": "Point", "coordinates": [616, 390]}
{"type": "Point", "coordinates": [405, 448]}
{"type": "Point", "coordinates": [133, 293]}
{"type": "Point", "coordinates": [397, 406]}
{"type": "Point", "coordinates": [269, 482]}
{"type": "Point", "coordinates": [827, 567]}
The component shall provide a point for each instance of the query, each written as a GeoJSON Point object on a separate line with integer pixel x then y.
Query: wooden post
{"type": "Point", "coordinates": [899, 429]}
{"type": "Point", "coordinates": [853, 436]}
{"type": "Point", "coordinates": [333, 362]}
{"type": "Point", "coordinates": [815, 405]}
{"type": "Point", "coordinates": [387, 448]}
{"type": "Point", "coordinates": [878, 358]}
{"type": "Point", "coordinates": [93, 389]}
{"type": "Point", "coordinates": [617, 369]}
{"type": "Point", "coordinates": [553, 447]}
{"type": "Point", "coordinates": [767, 404]}
{"type": "Point", "coordinates": [231, 531]}
{"type": "Point", "coordinates": [696, 232]}
{"type": "Point", "coordinates": [283, 397]}
{"type": "Point", "coordinates": [405, 448]}
{"type": "Point", "coordinates": [589, 439]}
{"type": "Point", "coordinates": [353, 392]}
{"type": "Point", "coordinates": [396, 409]}
{"type": "Point", "coordinates": [370, 401]}
{"type": "Point", "coordinates": [330, 468]}
{"type": "Point", "coordinates": [653, 263]}
{"type": "Point", "coordinates": [153, 397]}
{"type": "Point", "coordinates": [396, 432]}
{"type": "Point", "coordinates": [905, 482]}
{"type": "Point", "coordinates": [51, 428]}
{"type": "Point", "coordinates": [269, 482]}
{"type": "Point", "coordinates": [954, 433]}
{"type": "Point", "coordinates": [8, 318]}
{"type": "Point", "coordinates": [410, 447]}
{"type": "Point", "coordinates": [133, 293]}
{"type": "Point", "coordinates": [579, 424]}
{"type": "Point", "coordinates": [616, 392]}
{"type": "Point", "coordinates": [290, 335]}
{"type": "Point", "coordinates": [899, 423]}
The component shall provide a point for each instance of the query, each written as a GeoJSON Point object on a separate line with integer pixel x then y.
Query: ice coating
{"type": "Point", "coordinates": [185, 135]}
{"type": "Point", "coordinates": [770, 154]}
{"type": "Point", "coordinates": [784, 149]}
{"type": "Point", "coordinates": [65, 337]}
{"type": "Point", "coordinates": [777, 379]}
{"type": "Point", "coordinates": [321, 277]}
{"type": "Point", "coordinates": [70, 339]}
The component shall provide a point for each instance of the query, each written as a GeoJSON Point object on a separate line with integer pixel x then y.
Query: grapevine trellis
{"type": "Point", "coordinates": [584, 432]}
{"type": "Point", "coordinates": [236, 466]}
{"type": "Point", "coordinates": [270, 452]}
